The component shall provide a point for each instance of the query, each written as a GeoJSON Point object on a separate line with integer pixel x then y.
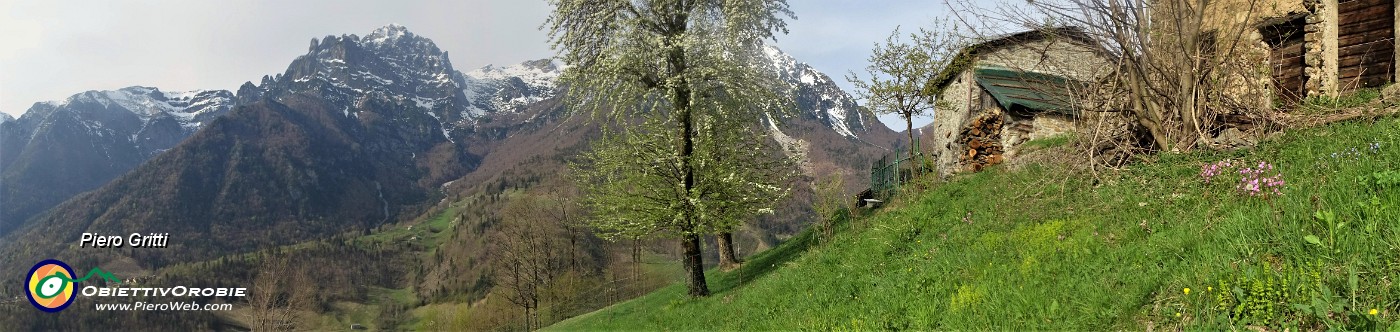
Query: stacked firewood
{"type": "Point", "coordinates": [982, 140]}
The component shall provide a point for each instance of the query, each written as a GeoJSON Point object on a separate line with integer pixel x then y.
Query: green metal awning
{"type": "Point", "coordinates": [1031, 90]}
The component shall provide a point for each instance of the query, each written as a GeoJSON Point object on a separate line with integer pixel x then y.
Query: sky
{"type": "Point", "coordinates": [53, 49]}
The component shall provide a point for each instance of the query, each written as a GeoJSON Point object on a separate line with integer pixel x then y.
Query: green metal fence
{"type": "Point", "coordinates": [885, 173]}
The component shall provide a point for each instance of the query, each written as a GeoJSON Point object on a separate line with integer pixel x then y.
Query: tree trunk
{"type": "Point", "coordinates": [690, 243]}
{"type": "Point", "coordinates": [909, 126]}
{"type": "Point", "coordinates": [573, 252]}
{"type": "Point", "coordinates": [694, 265]}
{"type": "Point", "coordinates": [636, 258]}
{"type": "Point", "coordinates": [727, 259]}
{"type": "Point", "coordinates": [1147, 115]}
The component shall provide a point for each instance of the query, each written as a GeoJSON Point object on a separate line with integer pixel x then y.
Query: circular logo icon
{"type": "Point", "coordinates": [50, 285]}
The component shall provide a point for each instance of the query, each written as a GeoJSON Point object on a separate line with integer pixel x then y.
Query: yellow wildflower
{"type": "Point", "coordinates": [1374, 312]}
{"type": "Point", "coordinates": [1186, 290]}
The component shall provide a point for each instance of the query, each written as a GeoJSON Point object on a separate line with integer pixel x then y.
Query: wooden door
{"type": "Point", "coordinates": [1285, 39]}
{"type": "Point", "coordinates": [1366, 43]}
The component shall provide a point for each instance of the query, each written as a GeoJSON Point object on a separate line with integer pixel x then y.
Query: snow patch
{"type": "Point", "coordinates": [386, 35]}
{"type": "Point", "coordinates": [149, 103]}
{"type": "Point", "coordinates": [373, 77]}
{"type": "Point", "coordinates": [837, 116]}
{"type": "Point", "coordinates": [483, 86]}
{"type": "Point", "coordinates": [441, 124]}
{"type": "Point", "coordinates": [425, 103]}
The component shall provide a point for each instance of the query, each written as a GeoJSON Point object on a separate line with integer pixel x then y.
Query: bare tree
{"type": "Point", "coordinates": [278, 293]}
{"type": "Point", "coordinates": [527, 254]}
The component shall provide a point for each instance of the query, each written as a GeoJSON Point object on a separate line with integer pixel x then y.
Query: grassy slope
{"type": "Point", "coordinates": [1043, 248]}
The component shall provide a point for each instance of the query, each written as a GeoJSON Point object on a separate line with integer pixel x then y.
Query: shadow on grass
{"type": "Point", "coordinates": [764, 262]}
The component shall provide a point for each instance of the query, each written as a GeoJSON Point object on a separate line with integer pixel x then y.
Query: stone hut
{"type": "Point", "coordinates": [999, 93]}
{"type": "Point", "coordinates": [1317, 47]}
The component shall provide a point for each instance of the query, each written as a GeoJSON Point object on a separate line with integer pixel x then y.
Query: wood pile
{"type": "Point", "coordinates": [981, 139]}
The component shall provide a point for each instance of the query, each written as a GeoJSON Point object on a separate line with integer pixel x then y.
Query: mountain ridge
{"type": "Point", "coordinates": [360, 132]}
{"type": "Point", "coordinates": [60, 148]}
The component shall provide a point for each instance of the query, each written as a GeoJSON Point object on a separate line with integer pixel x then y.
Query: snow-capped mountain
{"type": "Point", "coordinates": [492, 89]}
{"type": "Point", "coordinates": [149, 119]}
{"type": "Point", "coordinates": [820, 97]}
{"type": "Point", "coordinates": [390, 64]}
{"type": "Point", "coordinates": [60, 148]}
{"type": "Point", "coordinates": [395, 65]}
{"type": "Point", "coordinates": [190, 108]}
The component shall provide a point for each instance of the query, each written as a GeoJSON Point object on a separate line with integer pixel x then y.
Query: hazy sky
{"type": "Point", "coordinates": [53, 49]}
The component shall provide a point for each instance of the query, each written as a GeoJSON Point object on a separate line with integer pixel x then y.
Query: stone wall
{"type": "Point", "coordinates": [1049, 125]}
{"type": "Point", "coordinates": [1227, 13]}
{"type": "Point", "coordinates": [949, 116]}
{"type": "Point", "coordinates": [1052, 56]}
{"type": "Point", "coordinates": [1019, 130]}
{"type": "Point", "coordinates": [1320, 48]}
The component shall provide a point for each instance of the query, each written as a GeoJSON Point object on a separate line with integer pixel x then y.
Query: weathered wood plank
{"type": "Point", "coordinates": [1373, 36]}
{"type": "Point", "coordinates": [1350, 5]}
{"type": "Point", "coordinates": [1350, 76]}
{"type": "Point", "coordinates": [1357, 59]}
{"type": "Point", "coordinates": [1288, 50]}
{"type": "Point", "coordinates": [1286, 61]}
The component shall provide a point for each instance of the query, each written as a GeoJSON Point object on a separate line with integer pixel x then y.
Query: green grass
{"type": "Point", "coordinates": [1324, 103]}
{"type": "Point", "coordinates": [429, 233]}
{"type": "Point", "coordinates": [343, 314]}
{"type": "Point", "coordinates": [1050, 249]}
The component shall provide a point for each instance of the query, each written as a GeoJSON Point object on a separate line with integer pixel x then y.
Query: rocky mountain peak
{"type": "Point", "coordinates": [390, 64]}
{"type": "Point", "coordinates": [817, 93]}
{"type": "Point", "coordinates": [389, 35]}
{"type": "Point", "coordinates": [544, 65]}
